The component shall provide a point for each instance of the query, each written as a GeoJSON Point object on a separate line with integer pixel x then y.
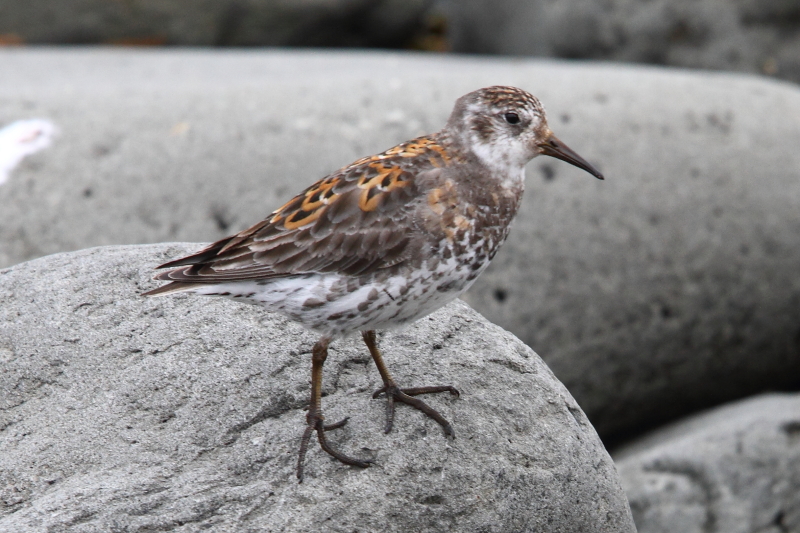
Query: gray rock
{"type": "Point", "coordinates": [670, 287]}
{"type": "Point", "coordinates": [734, 469]}
{"type": "Point", "coordinates": [384, 23]}
{"type": "Point", "coordinates": [123, 413]}
{"type": "Point", "coordinates": [744, 35]}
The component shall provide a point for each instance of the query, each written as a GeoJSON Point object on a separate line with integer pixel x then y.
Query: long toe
{"type": "Point", "coordinates": [414, 391]}
{"type": "Point", "coordinates": [316, 424]}
{"type": "Point", "coordinates": [395, 394]}
{"type": "Point", "coordinates": [336, 425]}
{"type": "Point", "coordinates": [346, 459]}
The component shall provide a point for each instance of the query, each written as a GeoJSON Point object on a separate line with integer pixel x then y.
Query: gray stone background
{"type": "Point", "coordinates": [671, 288]}
{"type": "Point", "coordinates": [760, 36]}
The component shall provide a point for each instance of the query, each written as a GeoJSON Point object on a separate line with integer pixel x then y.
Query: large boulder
{"type": "Point", "coordinates": [125, 413]}
{"type": "Point", "coordinates": [735, 469]}
{"type": "Point", "coordinates": [670, 287]}
{"type": "Point", "coordinates": [743, 35]}
{"type": "Point", "coordinates": [384, 23]}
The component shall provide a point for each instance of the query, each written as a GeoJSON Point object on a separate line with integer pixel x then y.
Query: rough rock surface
{"type": "Point", "coordinates": [384, 23]}
{"type": "Point", "coordinates": [670, 287]}
{"type": "Point", "coordinates": [122, 413]}
{"type": "Point", "coordinates": [744, 35]}
{"type": "Point", "coordinates": [734, 469]}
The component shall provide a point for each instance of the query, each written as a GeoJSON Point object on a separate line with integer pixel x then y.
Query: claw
{"type": "Point", "coordinates": [315, 423]}
{"type": "Point", "coordinates": [337, 425]}
{"type": "Point", "coordinates": [393, 392]}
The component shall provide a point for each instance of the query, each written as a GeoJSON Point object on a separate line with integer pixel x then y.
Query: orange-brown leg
{"type": "Point", "coordinates": [394, 393]}
{"type": "Point", "coordinates": [314, 418]}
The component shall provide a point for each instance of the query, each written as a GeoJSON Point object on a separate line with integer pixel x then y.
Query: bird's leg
{"type": "Point", "coordinates": [394, 393]}
{"type": "Point", "coordinates": [314, 417]}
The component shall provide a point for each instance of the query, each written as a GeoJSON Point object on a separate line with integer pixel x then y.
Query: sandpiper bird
{"type": "Point", "coordinates": [385, 240]}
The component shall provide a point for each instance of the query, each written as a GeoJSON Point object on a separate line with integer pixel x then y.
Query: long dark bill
{"type": "Point", "coordinates": [555, 148]}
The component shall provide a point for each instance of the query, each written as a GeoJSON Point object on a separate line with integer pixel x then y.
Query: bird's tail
{"type": "Point", "coordinates": [175, 286]}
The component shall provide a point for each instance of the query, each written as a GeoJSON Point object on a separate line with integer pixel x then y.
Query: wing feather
{"type": "Point", "coordinates": [353, 221]}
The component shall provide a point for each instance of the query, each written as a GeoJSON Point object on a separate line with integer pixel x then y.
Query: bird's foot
{"type": "Point", "coordinates": [394, 393]}
{"type": "Point", "coordinates": [315, 422]}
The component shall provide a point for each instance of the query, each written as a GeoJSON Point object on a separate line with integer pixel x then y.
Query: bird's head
{"type": "Point", "coordinates": [505, 127]}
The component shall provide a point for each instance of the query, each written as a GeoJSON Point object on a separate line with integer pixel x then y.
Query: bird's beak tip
{"type": "Point", "coordinates": [555, 148]}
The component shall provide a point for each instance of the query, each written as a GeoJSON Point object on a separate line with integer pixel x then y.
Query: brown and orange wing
{"type": "Point", "coordinates": [354, 221]}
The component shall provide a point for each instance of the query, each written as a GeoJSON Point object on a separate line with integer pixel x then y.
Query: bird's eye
{"type": "Point", "coordinates": [511, 118]}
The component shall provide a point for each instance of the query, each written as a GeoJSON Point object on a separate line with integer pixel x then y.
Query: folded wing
{"type": "Point", "coordinates": [349, 222]}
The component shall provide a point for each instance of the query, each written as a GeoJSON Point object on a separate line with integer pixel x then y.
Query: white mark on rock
{"type": "Point", "coordinates": [180, 129]}
{"type": "Point", "coordinates": [20, 139]}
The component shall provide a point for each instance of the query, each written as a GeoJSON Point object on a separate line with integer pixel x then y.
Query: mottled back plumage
{"type": "Point", "coordinates": [351, 222]}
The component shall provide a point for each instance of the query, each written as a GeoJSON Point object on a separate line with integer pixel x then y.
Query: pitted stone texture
{"type": "Point", "coordinates": [734, 469]}
{"type": "Point", "coordinates": [121, 412]}
{"type": "Point", "coordinates": [670, 287]}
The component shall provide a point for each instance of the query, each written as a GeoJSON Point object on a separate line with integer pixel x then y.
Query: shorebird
{"type": "Point", "coordinates": [385, 240]}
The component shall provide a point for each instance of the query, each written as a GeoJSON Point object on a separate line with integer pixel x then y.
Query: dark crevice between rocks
{"type": "Point", "coordinates": [229, 23]}
{"type": "Point", "coordinates": [786, 17]}
{"type": "Point", "coordinates": [655, 418]}
{"type": "Point", "coordinates": [356, 26]}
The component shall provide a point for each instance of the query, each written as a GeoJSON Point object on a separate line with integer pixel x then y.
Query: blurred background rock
{"type": "Point", "coordinates": [740, 35]}
{"type": "Point", "coordinates": [327, 23]}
